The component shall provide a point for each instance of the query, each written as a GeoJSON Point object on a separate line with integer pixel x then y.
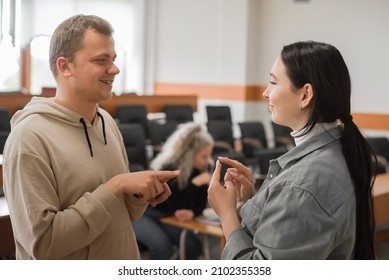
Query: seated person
{"type": "Point", "coordinates": [189, 149]}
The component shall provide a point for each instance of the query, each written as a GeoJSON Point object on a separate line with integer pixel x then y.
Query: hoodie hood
{"type": "Point", "coordinates": [50, 109]}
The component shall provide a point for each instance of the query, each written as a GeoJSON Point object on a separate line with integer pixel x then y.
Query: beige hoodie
{"type": "Point", "coordinates": [54, 185]}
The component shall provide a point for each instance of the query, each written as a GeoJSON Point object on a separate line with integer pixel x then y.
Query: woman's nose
{"type": "Point", "coordinates": [265, 94]}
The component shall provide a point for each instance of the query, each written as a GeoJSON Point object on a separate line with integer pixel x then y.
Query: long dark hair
{"type": "Point", "coordinates": [322, 66]}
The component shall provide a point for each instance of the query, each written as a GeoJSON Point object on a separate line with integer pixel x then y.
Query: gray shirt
{"type": "Point", "coordinates": [305, 208]}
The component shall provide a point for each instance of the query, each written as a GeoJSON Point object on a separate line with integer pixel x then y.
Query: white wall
{"type": "Point", "coordinates": [358, 28]}
{"type": "Point", "coordinates": [201, 41]}
{"type": "Point", "coordinates": [235, 42]}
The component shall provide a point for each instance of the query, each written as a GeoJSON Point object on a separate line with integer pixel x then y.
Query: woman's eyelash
{"type": "Point", "coordinates": [273, 83]}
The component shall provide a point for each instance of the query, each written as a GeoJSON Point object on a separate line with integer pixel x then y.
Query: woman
{"type": "Point", "coordinates": [189, 149]}
{"type": "Point", "coordinates": [316, 201]}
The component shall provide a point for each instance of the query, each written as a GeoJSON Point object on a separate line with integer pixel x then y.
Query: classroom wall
{"type": "Point", "coordinates": [230, 45]}
{"type": "Point", "coordinates": [223, 50]}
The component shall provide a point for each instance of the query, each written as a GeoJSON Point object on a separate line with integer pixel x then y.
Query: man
{"type": "Point", "coordinates": [66, 176]}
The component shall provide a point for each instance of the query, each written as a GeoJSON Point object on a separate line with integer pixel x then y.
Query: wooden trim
{"type": "Point", "coordinates": [14, 102]}
{"type": "Point", "coordinates": [371, 121]}
{"type": "Point", "coordinates": [25, 67]}
{"type": "Point", "coordinates": [207, 91]}
{"type": "Point", "coordinates": [153, 103]}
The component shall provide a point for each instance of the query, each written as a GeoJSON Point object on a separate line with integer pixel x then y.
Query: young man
{"type": "Point", "coordinates": [66, 176]}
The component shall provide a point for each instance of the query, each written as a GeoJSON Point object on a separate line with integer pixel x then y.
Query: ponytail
{"type": "Point", "coordinates": [362, 164]}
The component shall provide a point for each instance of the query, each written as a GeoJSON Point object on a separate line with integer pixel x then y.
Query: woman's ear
{"type": "Point", "coordinates": [63, 67]}
{"type": "Point", "coordinates": [306, 96]}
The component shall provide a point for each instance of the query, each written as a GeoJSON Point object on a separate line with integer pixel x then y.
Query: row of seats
{"type": "Point", "coordinates": [141, 134]}
{"type": "Point", "coordinates": [254, 151]}
{"type": "Point", "coordinates": [143, 137]}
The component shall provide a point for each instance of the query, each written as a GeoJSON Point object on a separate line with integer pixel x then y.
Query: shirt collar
{"type": "Point", "coordinates": [310, 144]}
{"type": "Point", "coordinates": [316, 130]}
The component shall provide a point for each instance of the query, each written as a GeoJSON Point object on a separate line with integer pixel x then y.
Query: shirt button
{"type": "Point", "coordinates": [271, 175]}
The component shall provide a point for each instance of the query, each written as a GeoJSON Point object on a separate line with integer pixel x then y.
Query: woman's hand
{"type": "Point", "coordinates": [184, 215]}
{"type": "Point", "coordinates": [242, 178]}
{"type": "Point", "coordinates": [223, 201]}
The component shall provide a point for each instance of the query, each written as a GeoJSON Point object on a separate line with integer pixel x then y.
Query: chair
{"type": "Point", "coordinates": [135, 143]}
{"type": "Point", "coordinates": [218, 113]}
{"type": "Point", "coordinates": [5, 127]}
{"type": "Point", "coordinates": [222, 134]}
{"type": "Point", "coordinates": [5, 120]}
{"type": "Point", "coordinates": [178, 113]}
{"type": "Point", "coordinates": [3, 138]}
{"type": "Point", "coordinates": [158, 133]}
{"type": "Point", "coordinates": [133, 113]}
{"type": "Point", "coordinates": [264, 156]}
{"type": "Point", "coordinates": [253, 137]}
{"type": "Point", "coordinates": [282, 136]}
{"type": "Point", "coordinates": [380, 146]}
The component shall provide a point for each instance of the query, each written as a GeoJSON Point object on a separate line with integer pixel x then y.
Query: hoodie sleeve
{"type": "Point", "coordinates": [40, 225]}
{"type": "Point", "coordinates": [134, 206]}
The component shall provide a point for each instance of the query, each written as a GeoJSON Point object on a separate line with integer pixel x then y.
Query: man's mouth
{"type": "Point", "coordinates": [108, 82]}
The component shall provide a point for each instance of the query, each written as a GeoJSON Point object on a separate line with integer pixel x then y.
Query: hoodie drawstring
{"type": "Point", "coordinates": [87, 134]}
{"type": "Point", "coordinates": [103, 126]}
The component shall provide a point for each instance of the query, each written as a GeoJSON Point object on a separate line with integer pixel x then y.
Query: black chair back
{"type": "Point", "coordinates": [218, 113]}
{"type": "Point", "coordinates": [222, 134]}
{"type": "Point", "coordinates": [253, 137]}
{"type": "Point", "coordinates": [159, 132]}
{"type": "Point", "coordinates": [178, 113]}
{"type": "Point", "coordinates": [380, 146]}
{"type": "Point", "coordinates": [282, 135]}
{"type": "Point", "coordinates": [135, 142]}
{"type": "Point", "coordinates": [5, 120]}
{"type": "Point", "coordinates": [133, 114]}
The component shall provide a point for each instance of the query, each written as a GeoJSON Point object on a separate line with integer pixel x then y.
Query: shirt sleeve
{"type": "Point", "coordinates": [291, 225]}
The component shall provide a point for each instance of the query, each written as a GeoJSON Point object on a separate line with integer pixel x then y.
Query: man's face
{"type": "Point", "coordinates": [93, 69]}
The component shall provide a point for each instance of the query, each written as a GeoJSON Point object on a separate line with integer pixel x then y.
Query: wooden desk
{"type": "Point", "coordinates": [381, 198]}
{"type": "Point", "coordinates": [381, 205]}
{"type": "Point", "coordinates": [199, 227]}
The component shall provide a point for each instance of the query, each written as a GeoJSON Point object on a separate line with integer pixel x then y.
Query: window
{"type": "Point", "coordinates": [10, 45]}
{"type": "Point", "coordinates": [26, 27]}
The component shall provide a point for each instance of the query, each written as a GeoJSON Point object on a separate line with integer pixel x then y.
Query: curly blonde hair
{"type": "Point", "coordinates": [180, 149]}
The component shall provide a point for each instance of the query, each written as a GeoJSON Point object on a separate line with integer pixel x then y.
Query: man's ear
{"type": "Point", "coordinates": [306, 96]}
{"type": "Point", "coordinates": [63, 67]}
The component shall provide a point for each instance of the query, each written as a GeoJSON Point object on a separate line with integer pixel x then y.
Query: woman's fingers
{"type": "Point", "coordinates": [240, 168]}
{"type": "Point", "coordinates": [234, 163]}
{"type": "Point", "coordinates": [216, 172]}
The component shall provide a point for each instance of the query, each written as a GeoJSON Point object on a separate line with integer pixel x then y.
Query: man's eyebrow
{"type": "Point", "coordinates": [105, 55]}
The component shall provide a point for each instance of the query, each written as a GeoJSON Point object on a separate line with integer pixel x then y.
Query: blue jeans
{"type": "Point", "coordinates": [160, 238]}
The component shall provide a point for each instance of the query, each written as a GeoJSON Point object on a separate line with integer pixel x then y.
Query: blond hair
{"type": "Point", "coordinates": [180, 149]}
